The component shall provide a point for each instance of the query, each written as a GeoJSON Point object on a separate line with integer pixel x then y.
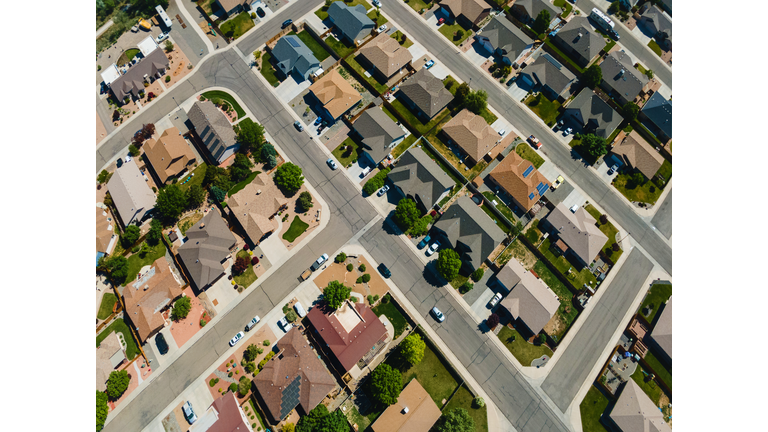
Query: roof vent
{"type": "Point", "coordinates": [578, 37]}
{"type": "Point", "coordinates": [405, 410]}
{"type": "Point", "coordinates": [202, 225]}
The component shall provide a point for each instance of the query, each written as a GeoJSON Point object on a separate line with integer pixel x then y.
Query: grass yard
{"type": "Point", "coordinates": [418, 5]}
{"type": "Point", "coordinates": [486, 113]}
{"type": "Point", "coordinates": [463, 399]}
{"type": "Point", "coordinates": [317, 49]}
{"type": "Point", "coordinates": [354, 64]}
{"type": "Point", "coordinates": [609, 230]}
{"type": "Point", "coordinates": [189, 221]}
{"type": "Point", "coordinates": [647, 192]}
{"type": "Point", "coordinates": [496, 219]}
{"type": "Point", "coordinates": [458, 281]}
{"type": "Point", "coordinates": [197, 178]}
{"type": "Point", "coordinates": [268, 71]}
{"type": "Point", "coordinates": [403, 146]}
{"type": "Point", "coordinates": [662, 372]}
{"type": "Point", "coordinates": [440, 146]}
{"type": "Point", "coordinates": [562, 265]}
{"type": "Point", "coordinates": [640, 68]}
{"type": "Point", "coordinates": [449, 31]}
{"type": "Point", "coordinates": [127, 56]}
{"type": "Point", "coordinates": [296, 229]}
{"type": "Point", "coordinates": [488, 116]}
{"type": "Point", "coordinates": [657, 295]}
{"type": "Point", "coordinates": [414, 121]}
{"type": "Point", "coordinates": [528, 153]}
{"type": "Point", "coordinates": [393, 315]}
{"type": "Point", "coordinates": [248, 276]}
{"type": "Point", "coordinates": [341, 48]}
{"type": "Point", "coordinates": [238, 187]}
{"type": "Point", "coordinates": [544, 108]}
{"type": "Point", "coordinates": [213, 94]}
{"type": "Point", "coordinates": [500, 206]}
{"type": "Point", "coordinates": [107, 303]}
{"type": "Point", "coordinates": [237, 26]}
{"type": "Point", "coordinates": [322, 13]}
{"type": "Point", "coordinates": [566, 313]}
{"type": "Point", "coordinates": [119, 326]}
{"type": "Point", "coordinates": [563, 4]}
{"type": "Point", "coordinates": [206, 5]}
{"type": "Point", "coordinates": [652, 389]}
{"type": "Point", "coordinates": [347, 157]}
{"type": "Point", "coordinates": [378, 20]}
{"type": "Point", "coordinates": [360, 420]}
{"type": "Point", "coordinates": [432, 374]}
{"type": "Point", "coordinates": [523, 351]}
{"type": "Point", "coordinates": [655, 47]}
{"type": "Point", "coordinates": [665, 173]}
{"type": "Point", "coordinates": [592, 408]}
{"type": "Point", "coordinates": [398, 36]}
{"type": "Point", "coordinates": [136, 261]}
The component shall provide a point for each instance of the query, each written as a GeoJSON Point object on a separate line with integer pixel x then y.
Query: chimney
{"type": "Point", "coordinates": [202, 225]}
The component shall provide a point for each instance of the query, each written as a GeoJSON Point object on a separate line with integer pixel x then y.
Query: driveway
{"type": "Point", "coordinates": [222, 293]}
{"type": "Point", "coordinates": [290, 89]}
{"type": "Point", "coordinates": [355, 171]}
{"type": "Point", "coordinates": [518, 93]}
{"type": "Point", "coordinates": [574, 198]}
{"type": "Point", "coordinates": [477, 55]}
{"type": "Point", "coordinates": [550, 171]}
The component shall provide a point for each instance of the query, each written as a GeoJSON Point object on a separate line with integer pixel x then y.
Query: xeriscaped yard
{"type": "Point", "coordinates": [432, 374]}
{"type": "Point", "coordinates": [592, 407]}
{"type": "Point", "coordinates": [268, 71]}
{"type": "Point", "coordinates": [657, 296]}
{"type": "Point", "coordinates": [322, 13]}
{"type": "Point", "coordinates": [247, 277]}
{"type": "Point", "coordinates": [393, 315]}
{"type": "Point", "coordinates": [197, 178]}
{"type": "Point", "coordinates": [107, 303]}
{"type": "Point", "coordinates": [136, 261]}
{"type": "Point", "coordinates": [463, 399]}
{"type": "Point", "coordinates": [237, 26]}
{"type": "Point", "coordinates": [609, 230]}
{"type": "Point", "coordinates": [398, 36]}
{"type": "Point", "coordinates": [526, 152]}
{"type": "Point", "coordinates": [346, 157]}
{"type": "Point", "coordinates": [239, 186]}
{"type": "Point", "coordinates": [518, 251]}
{"type": "Point", "coordinates": [189, 221]}
{"type": "Point", "coordinates": [449, 31]}
{"type": "Point", "coordinates": [647, 192]}
{"type": "Point", "coordinates": [655, 47]}
{"type": "Point", "coordinates": [119, 326]}
{"type": "Point", "coordinates": [317, 49]}
{"type": "Point", "coordinates": [296, 229]}
{"type": "Point", "coordinates": [213, 94]}
{"type": "Point", "coordinates": [354, 64]}
{"type": "Point", "coordinates": [544, 108]}
{"type": "Point", "coordinates": [411, 118]}
{"type": "Point", "coordinates": [523, 351]}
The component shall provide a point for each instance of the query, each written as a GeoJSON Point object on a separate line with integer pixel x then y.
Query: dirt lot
{"type": "Point", "coordinates": [311, 217]}
{"type": "Point", "coordinates": [376, 286]}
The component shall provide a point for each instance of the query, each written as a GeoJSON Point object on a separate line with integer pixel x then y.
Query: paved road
{"type": "Point", "coordinates": [662, 220]}
{"type": "Point", "coordinates": [527, 123]}
{"type": "Point", "coordinates": [186, 38]}
{"type": "Point", "coordinates": [585, 350]}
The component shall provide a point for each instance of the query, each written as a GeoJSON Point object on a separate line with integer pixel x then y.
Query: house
{"type": "Point", "coordinates": [577, 40]}
{"type": "Point", "coordinates": [549, 76]}
{"type": "Point", "coordinates": [414, 411]}
{"type": "Point", "coordinates": [378, 132]}
{"type": "Point", "coordinates": [213, 130]}
{"type": "Point", "coordinates": [106, 239]}
{"type": "Point", "coordinates": [109, 355]}
{"type": "Point", "coordinates": [529, 300]}
{"type": "Point", "coordinates": [295, 377]}
{"type": "Point", "coordinates": [621, 79]}
{"type": "Point", "coordinates": [628, 4]}
{"type": "Point", "coordinates": [418, 177]}
{"type": "Point", "coordinates": [255, 206]}
{"type": "Point", "coordinates": [170, 155]}
{"type": "Point", "coordinates": [350, 334]}
{"type": "Point", "coordinates": [351, 21]}
{"type": "Point", "coordinates": [503, 39]}
{"type": "Point", "coordinates": [472, 133]}
{"type": "Point", "coordinates": [291, 55]}
{"type": "Point", "coordinates": [224, 415]}
{"type": "Point", "coordinates": [519, 179]}
{"type": "Point", "coordinates": [232, 7]}
{"type": "Point", "coordinates": [147, 296]}
{"type": "Point", "coordinates": [335, 94]}
{"type": "Point", "coordinates": [657, 23]}
{"type": "Point", "coordinates": [468, 13]}
{"type": "Point", "coordinates": [424, 94]}
{"type": "Point", "coordinates": [661, 335]}
{"type": "Point", "coordinates": [527, 10]}
{"type": "Point", "coordinates": [110, 74]}
{"type": "Point", "coordinates": [131, 82]}
{"type": "Point", "coordinates": [578, 231]}
{"type": "Point", "coordinates": [656, 115]}
{"type": "Point", "coordinates": [593, 114]}
{"type": "Point", "coordinates": [132, 196]}
{"type": "Point", "coordinates": [634, 411]}
{"type": "Point", "coordinates": [470, 231]}
{"type": "Point", "coordinates": [385, 56]}
{"type": "Point", "coordinates": [208, 245]}
{"type": "Point", "coordinates": [637, 153]}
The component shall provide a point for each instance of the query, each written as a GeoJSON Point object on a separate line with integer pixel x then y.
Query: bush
{"type": "Point", "coordinates": [254, 260]}
{"type": "Point", "coordinates": [448, 264]}
{"type": "Point", "coordinates": [181, 308]}
{"type": "Point", "coordinates": [229, 374]}
{"type": "Point", "coordinates": [133, 150]}
{"type": "Point", "coordinates": [167, 78]}
{"type": "Point", "coordinates": [492, 321]}
{"type": "Point", "coordinates": [266, 342]}
{"type": "Point", "coordinates": [466, 287]}
{"type": "Point", "coordinates": [253, 15]}
{"type": "Point", "coordinates": [244, 386]}
{"type": "Point", "coordinates": [103, 177]}
{"type": "Point", "coordinates": [117, 384]}
{"type": "Point", "coordinates": [250, 367]}
{"type": "Point", "coordinates": [241, 265]}
{"type": "Point", "coordinates": [335, 294]}
{"type": "Point", "coordinates": [233, 387]}
{"type": "Point", "coordinates": [543, 339]}
{"type": "Point", "coordinates": [366, 278]}
{"type": "Point", "coordinates": [102, 409]}
{"type": "Point", "coordinates": [361, 268]}
{"type": "Point", "coordinates": [340, 258]}
{"type": "Point", "coordinates": [615, 247]}
{"type": "Point", "coordinates": [130, 236]}
{"type": "Point", "coordinates": [202, 322]}
{"type": "Point", "coordinates": [478, 402]}
{"type": "Point", "coordinates": [359, 280]}
{"type": "Point", "coordinates": [266, 359]}
{"type": "Point", "coordinates": [603, 219]}
{"type": "Point", "coordinates": [421, 226]}
{"type": "Point", "coordinates": [291, 316]}
{"type": "Point", "coordinates": [350, 267]}
{"type": "Point", "coordinates": [305, 200]}
{"type": "Point", "coordinates": [478, 274]}
{"type": "Point", "coordinates": [385, 299]}
{"type": "Point", "coordinates": [354, 299]}
{"type": "Point", "coordinates": [376, 182]}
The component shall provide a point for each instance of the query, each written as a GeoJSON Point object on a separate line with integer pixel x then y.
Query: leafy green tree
{"type": "Point", "coordinates": [251, 135]}
{"type": "Point", "coordinates": [448, 264]}
{"type": "Point", "coordinates": [478, 402]}
{"type": "Point", "coordinates": [366, 278]}
{"type": "Point", "coordinates": [406, 213]}
{"type": "Point", "coordinates": [478, 274]}
{"type": "Point", "coordinates": [103, 177]}
{"type": "Point", "coordinates": [168, 46]}
{"type": "Point", "coordinates": [421, 226]}
{"type": "Point", "coordinates": [305, 200]}
{"type": "Point", "coordinates": [116, 267]}
{"type": "Point", "coordinates": [268, 150]}
{"type": "Point", "coordinates": [649, 73]}
{"type": "Point", "coordinates": [171, 201]}
{"type": "Point", "coordinates": [209, 175]}
{"type": "Point", "coordinates": [630, 110]}
{"type": "Point", "coordinates": [289, 177]}
{"type": "Point", "coordinates": [181, 308]}
{"type": "Point", "coordinates": [476, 101]}
{"type": "Point", "coordinates": [240, 168]}
{"type": "Point", "coordinates": [251, 352]}
{"type": "Point", "coordinates": [335, 294]}
{"type": "Point", "coordinates": [320, 420]}
{"type": "Point", "coordinates": [542, 21]}
{"type": "Point", "coordinates": [130, 236]}
{"type": "Point", "coordinates": [593, 76]}
{"type": "Point", "coordinates": [635, 179]}
{"type": "Point", "coordinates": [117, 384]}
{"type": "Point", "coordinates": [244, 386]}
{"type": "Point", "coordinates": [133, 150]}
{"type": "Point", "coordinates": [291, 316]}
{"type": "Point", "coordinates": [195, 196]}
{"type": "Point", "coordinates": [102, 409]}
{"type": "Point", "coordinates": [270, 162]}
{"type": "Point", "coordinates": [412, 348]}
{"type": "Point", "coordinates": [466, 287]}
{"type": "Point", "coordinates": [594, 145]}
{"type": "Point", "coordinates": [289, 427]}
{"type": "Point", "coordinates": [217, 194]}
{"type": "Point", "coordinates": [461, 93]}
{"type": "Point", "coordinates": [385, 384]}
{"type": "Point", "coordinates": [155, 232]}
{"type": "Point", "coordinates": [376, 182]}
{"type": "Point", "coordinates": [457, 420]}
{"type": "Point", "coordinates": [459, 34]}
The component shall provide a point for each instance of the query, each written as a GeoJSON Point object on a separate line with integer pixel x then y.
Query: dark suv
{"type": "Point", "coordinates": [384, 270]}
{"type": "Point", "coordinates": [162, 345]}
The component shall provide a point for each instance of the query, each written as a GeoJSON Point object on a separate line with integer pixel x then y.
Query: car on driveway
{"type": "Point", "coordinates": [162, 37]}
{"type": "Point", "coordinates": [424, 241]}
{"type": "Point", "coordinates": [567, 131]}
{"type": "Point", "coordinates": [534, 142]}
{"type": "Point", "coordinates": [438, 315]}
{"type": "Point", "coordinates": [383, 190]}
{"type": "Point", "coordinates": [433, 248]}
{"type": "Point", "coordinates": [383, 28]}
{"type": "Point", "coordinates": [495, 300]}
{"type": "Point", "coordinates": [316, 265]}
{"type": "Point", "coordinates": [162, 345]}
{"type": "Point", "coordinates": [613, 169]}
{"type": "Point", "coordinates": [189, 413]}
{"type": "Point", "coordinates": [558, 182]}
{"type": "Point", "coordinates": [283, 323]}
{"type": "Point", "coordinates": [236, 339]}
{"type": "Point", "coordinates": [440, 21]}
{"type": "Point", "coordinates": [298, 126]}
{"type": "Point", "coordinates": [331, 163]}
{"type": "Point", "coordinates": [384, 271]}
{"type": "Point", "coordinates": [260, 12]}
{"type": "Point", "coordinates": [429, 64]}
{"type": "Point", "coordinates": [318, 121]}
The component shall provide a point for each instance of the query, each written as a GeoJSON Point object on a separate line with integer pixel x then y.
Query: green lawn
{"type": "Point", "coordinates": [561, 4]}
{"type": "Point", "coordinates": [238, 187]}
{"type": "Point", "coordinates": [647, 192]}
{"type": "Point", "coordinates": [360, 420]}
{"type": "Point", "coordinates": [393, 315]}
{"type": "Point", "coordinates": [458, 281]}
{"type": "Point", "coordinates": [380, 20]}
{"type": "Point", "coordinates": [432, 374]}
{"type": "Point", "coordinates": [398, 36]}
{"type": "Point", "coordinates": [609, 230]}
{"type": "Point", "coordinates": [460, 181]}
{"type": "Point", "coordinates": [528, 153]}
{"type": "Point", "coordinates": [237, 26]}
{"type": "Point", "coordinates": [354, 64]}
{"type": "Point", "coordinates": [248, 276]}
{"type": "Point", "coordinates": [418, 5]}
{"type": "Point", "coordinates": [107, 303]}
{"type": "Point", "coordinates": [496, 219]}
{"type": "Point", "coordinates": [317, 49]}
{"type": "Point", "coordinates": [592, 407]}
{"type": "Point", "coordinates": [136, 261]}
{"type": "Point", "coordinates": [449, 30]}
{"type": "Point", "coordinates": [662, 372]}
{"type": "Point", "coordinates": [347, 157]}
{"type": "Point", "coordinates": [268, 71]}
{"type": "Point", "coordinates": [665, 173]}
{"type": "Point", "coordinates": [342, 48]}
{"type": "Point", "coordinates": [561, 263]}
{"type": "Point", "coordinates": [197, 178]}
{"type": "Point", "coordinates": [655, 47]}
{"type": "Point", "coordinates": [322, 13]}
{"type": "Point", "coordinates": [119, 326]}
{"type": "Point", "coordinates": [544, 108]}
{"type": "Point", "coordinates": [411, 118]}
{"type": "Point", "coordinates": [403, 146]}
{"type": "Point", "coordinates": [463, 399]}
{"type": "Point", "coordinates": [127, 56]}
{"type": "Point", "coordinates": [651, 388]}
{"type": "Point", "coordinates": [657, 295]}
{"type": "Point", "coordinates": [213, 94]}
{"type": "Point", "coordinates": [488, 116]}
{"type": "Point", "coordinates": [296, 229]}
{"type": "Point", "coordinates": [566, 313]}
{"type": "Point", "coordinates": [523, 351]}
{"type": "Point", "coordinates": [500, 206]}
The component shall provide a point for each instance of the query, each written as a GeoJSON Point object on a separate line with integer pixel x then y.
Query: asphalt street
{"type": "Point", "coordinates": [662, 220]}
{"type": "Point", "coordinates": [528, 124]}
{"type": "Point", "coordinates": [186, 38]}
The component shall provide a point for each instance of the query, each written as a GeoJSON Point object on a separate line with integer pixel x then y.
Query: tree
{"type": "Point", "coordinates": [421, 226]}
{"type": "Point", "coordinates": [217, 194]}
{"type": "Point", "coordinates": [133, 150]}
{"type": "Point", "coordinates": [171, 201]}
{"type": "Point", "coordinates": [614, 7]}
{"type": "Point", "coordinates": [448, 264]}
{"type": "Point", "coordinates": [492, 321]}
{"type": "Point", "coordinates": [592, 76]}
{"type": "Point", "coordinates": [117, 384]}
{"type": "Point", "coordinates": [103, 177]}
{"type": "Point", "coordinates": [251, 135]}
{"type": "Point", "coordinates": [542, 21]}
{"type": "Point", "coordinates": [615, 247]}
{"type": "Point", "coordinates": [320, 420]}
{"type": "Point", "coordinates": [385, 384]}
{"type": "Point", "coordinates": [376, 182]}
{"type": "Point", "coordinates": [240, 168]}
{"type": "Point", "coordinates": [130, 236]}
{"type": "Point", "coordinates": [233, 387]}
{"type": "Point", "coordinates": [478, 402]}
{"type": "Point", "coordinates": [270, 162]}
{"type": "Point", "coordinates": [412, 348]}
{"type": "Point", "coordinates": [168, 46]}
{"type": "Point", "coordinates": [340, 258]}
{"type": "Point", "coordinates": [649, 73]}
{"type": "Point", "coordinates": [603, 219]}
{"type": "Point", "coordinates": [138, 138]}
{"type": "Point", "coordinates": [478, 274]}
{"type": "Point", "coordinates": [268, 150]}
{"type": "Point", "coordinates": [195, 196]}
{"type": "Point", "coordinates": [155, 232]}
{"type": "Point", "coordinates": [457, 420]}
{"type": "Point", "coordinates": [305, 200]}
{"type": "Point", "coordinates": [461, 93]}
{"type": "Point", "coordinates": [181, 308]}
{"type": "Point", "coordinates": [594, 145]}
{"type": "Point", "coordinates": [543, 339]}
{"type": "Point", "coordinates": [630, 110]}
{"type": "Point", "coordinates": [466, 287]}
{"type": "Point", "coordinates": [335, 294]}
{"type": "Point", "coordinates": [476, 101]}
{"type": "Point", "coordinates": [241, 265]}
{"type": "Point", "coordinates": [366, 278]}
{"type": "Point", "coordinates": [459, 34]}
{"type": "Point", "coordinates": [635, 179]}
{"type": "Point", "coordinates": [117, 267]}
{"type": "Point", "coordinates": [210, 175]}
{"type": "Point", "coordinates": [291, 316]}
{"type": "Point", "coordinates": [406, 213]}
{"type": "Point", "coordinates": [148, 130]}
{"type": "Point", "coordinates": [350, 267]}
{"type": "Point", "coordinates": [102, 409]}
{"type": "Point", "coordinates": [251, 352]}
{"type": "Point", "coordinates": [289, 177]}
{"type": "Point", "coordinates": [244, 386]}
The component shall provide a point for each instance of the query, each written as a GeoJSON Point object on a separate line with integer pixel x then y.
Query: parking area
{"type": "Point", "coordinates": [289, 90]}
{"type": "Point", "coordinates": [550, 171]}
{"type": "Point", "coordinates": [477, 55]}
{"type": "Point", "coordinates": [355, 172]}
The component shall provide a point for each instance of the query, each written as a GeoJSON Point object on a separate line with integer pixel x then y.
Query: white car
{"type": "Point", "coordinates": [383, 28]}
{"type": "Point", "coordinates": [495, 300]}
{"type": "Point", "coordinates": [316, 265]}
{"type": "Point", "coordinates": [574, 208]}
{"type": "Point", "coordinates": [189, 414]}
{"type": "Point", "coordinates": [438, 315]}
{"type": "Point", "coordinates": [162, 37]}
{"type": "Point", "coordinates": [377, 3]}
{"type": "Point", "coordinates": [568, 131]}
{"type": "Point", "coordinates": [331, 163]}
{"type": "Point", "coordinates": [433, 248]}
{"type": "Point", "coordinates": [383, 190]}
{"type": "Point", "coordinates": [283, 323]}
{"type": "Point", "coordinates": [252, 323]}
{"type": "Point", "coordinates": [236, 339]}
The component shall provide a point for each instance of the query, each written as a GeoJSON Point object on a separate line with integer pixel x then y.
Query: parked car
{"type": "Point", "coordinates": [495, 300]}
{"type": "Point", "coordinates": [613, 169]}
{"type": "Point", "coordinates": [260, 12]}
{"type": "Point", "coordinates": [383, 190]}
{"type": "Point", "coordinates": [286, 23]}
{"type": "Point", "coordinates": [534, 142]}
{"type": "Point", "coordinates": [383, 28]}
{"type": "Point", "coordinates": [440, 21]}
{"type": "Point", "coordinates": [574, 208]}
{"type": "Point", "coordinates": [377, 3]}
{"type": "Point", "coordinates": [316, 265]}
{"type": "Point", "coordinates": [424, 241]}
{"type": "Point", "coordinates": [128, 158]}
{"type": "Point", "coordinates": [438, 315]}
{"type": "Point", "coordinates": [119, 162]}
{"type": "Point", "coordinates": [189, 413]}
{"type": "Point", "coordinates": [162, 37]}
{"type": "Point", "coordinates": [615, 35]}
{"type": "Point", "coordinates": [433, 248]}
{"type": "Point", "coordinates": [162, 345]}
{"type": "Point", "coordinates": [558, 182]}
{"type": "Point", "coordinates": [384, 270]}
{"type": "Point", "coordinates": [236, 339]}
{"type": "Point", "coordinates": [298, 126]}
{"type": "Point", "coordinates": [331, 163]}
{"type": "Point", "coordinates": [300, 310]}
{"type": "Point", "coordinates": [502, 132]}
{"type": "Point", "coordinates": [429, 64]}
{"type": "Point", "coordinates": [365, 172]}
{"type": "Point", "coordinates": [560, 124]}
{"type": "Point", "coordinates": [252, 323]}
{"type": "Point", "coordinates": [283, 323]}
{"type": "Point", "coordinates": [318, 121]}
{"type": "Point", "coordinates": [567, 131]}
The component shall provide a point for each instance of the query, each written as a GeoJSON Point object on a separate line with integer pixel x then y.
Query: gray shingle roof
{"type": "Point", "coordinates": [534, 7]}
{"type": "Point", "coordinates": [378, 132]}
{"type": "Point", "coordinates": [290, 52]}
{"type": "Point", "coordinates": [658, 21]}
{"type": "Point", "coordinates": [529, 298]}
{"type": "Point", "coordinates": [635, 412]}
{"type": "Point", "coordinates": [594, 113]}
{"type": "Point", "coordinates": [662, 332]}
{"type": "Point", "coordinates": [659, 111]}
{"type": "Point", "coordinates": [470, 231]}
{"type": "Point", "coordinates": [418, 175]}
{"type": "Point", "coordinates": [130, 193]}
{"type": "Point", "coordinates": [208, 244]}
{"type": "Point", "coordinates": [427, 92]}
{"type": "Point", "coordinates": [501, 34]}
{"type": "Point", "coordinates": [578, 231]}
{"type": "Point", "coordinates": [213, 128]}
{"type": "Point", "coordinates": [620, 75]}
{"type": "Point", "coordinates": [351, 21]}
{"type": "Point", "coordinates": [550, 73]}
{"type": "Point", "coordinates": [132, 81]}
{"type": "Point", "coordinates": [588, 45]}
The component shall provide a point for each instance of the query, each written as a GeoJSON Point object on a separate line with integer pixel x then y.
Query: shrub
{"type": "Point", "coordinates": [354, 299]}
{"type": "Point", "coordinates": [291, 316]}
{"type": "Point", "coordinates": [421, 226]}
{"type": "Point", "coordinates": [253, 15]}
{"type": "Point", "coordinates": [130, 236]}
{"type": "Point", "coordinates": [250, 367]}
{"type": "Point", "coordinates": [266, 342]}
{"type": "Point", "coordinates": [376, 182]}
{"type": "Point", "coordinates": [359, 280]}
{"type": "Point", "coordinates": [478, 402]}
{"type": "Point", "coordinates": [361, 268]}
{"type": "Point", "coordinates": [341, 257]}
{"type": "Point", "coordinates": [202, 322]}
{"type": "Point", "coordinates": [212, 382]}
{"type": "Point", "coordinates": [466, 287]}
{"type": "Point", "coordinates": [98, 67]}
{"type": "Point", "coordinates": [167, 78]}
{"type": "Point", "coordinates": [229, 374]}
{"type": "Point", "coordinates": [350, 267]}
{"type": "Point", "coordinates": [233, 387]}
{"type": "Point", "coordinates": [244, 386]}
{"type": "Point", "coordinates": [241, 265]}
{"type": "Point", "coordinates": [181, 308]}
{"type": "Point", "coordinates": [370, 299]}
{"type": "Point", "coordinates": [133, 150]}
{"type": "Point", "coordinates": [385, 299]}
{"type": "Point", "coordinates": [254, 260]}
{"type": "Point", "coordinates": [603, 219]}
{"type": "Point", "coordinates": [492, 321]}
{"type": "Point", "coordinates": [305, 200]}
{"type": "Point", "coordinates": [266, 359]}
{"type": "Point", "coordinates": [366, 278]}
{"type": "Point", "coordinates": [543, 339]}
{"type": "Point", "coordinates": [103, 177]}
{"type": "Point", "coordinates": [615, 247]}
{"type": "Point", "coordinates": [478, 274]}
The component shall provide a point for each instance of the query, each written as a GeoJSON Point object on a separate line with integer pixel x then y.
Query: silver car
{"type": "Point", "coordinates": [189, 414]}
{"type": "Point", "coordinates": [438, 315]}
{"type": "Point", "coordinates": [433, 248]}
{"type": "Point", "coordinates": [331, 163]}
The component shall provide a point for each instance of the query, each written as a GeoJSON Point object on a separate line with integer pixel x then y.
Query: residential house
{"type": "Point", "coordinates": [224, 415]}
{"type": "Point", "coordinates": [627, 5]}
{"type": "Point", "coordinates": [577, 40]}
{"type": "Point", "coordinates": [468, 13]}
{"type": "Point", "coordinates": [418, 177]}
{"type": "Point", "coordinates": [379, 133]}
{"type": "Point", "coordinates": [292, 56]}
{"type": "Point", "coordinates": [109, 355]}
{"type": "Point", "coordinates": [295, 377]}
{"type": "Point", "coordinates": [519, 179]}
{"type": "Point", "coordinates": [578, 231]}
{"type": "Point", "coordinates": [472, 133]}
{"type": "Point", "coordinates": [414, 411]}
{"type": "Point", "coordinates": [132, 196]}
{"type": "Point", "coordinates": [637, 153]}
{"type": "Point", "coordinates": [131, 82]}
{"type": "Point", "coordinates": [385, 56]}
{"type": "Point", "coordinates": [529, 300]}
{"type": "Point", "coordinates": [208, 245]}
{"type": "Point", "coordinates": [527, 10]}
{"type": "Point", "coordinates": [351, 21]}
{"type": "Point", "coordinates": [106, 238]}
{"type": "Point", "coordinates": [350, 334]}
{"type": "Point", "coordinates": [657, 23]}
{"type": "Point", "coordinates": [656, 115]}
{"type": "Point", "coordinates": [146, 297]}
{"type": "Point", "coordinates": [255, 206]}
{"type": "Point", "coordinates": [213, 130]}
{"type": "Point", "coordinates": [335, 94]}
{"type": "Point", "coordinates": [466, 228]}
{"type": "Point", "coordinates": [634, 411]}
{"type": "Point", "coordinates": [110, 74]}
{"type": "Point", "coordinates": [232, 7]}
{"type": "Point", "coordinates": [593, 114]}
{"type": "Point", "coordinates": [549, 76]}
{"type": "Point", "coordinates": [170, 155]}
{"type": "Point", "coordinates": [424, 94]}
{"type": "Point", "coordinates": [661, 335]}
{"type": "Point", "coordinates": [503, 39]}
{"type": "Point", "coordinates": [621, 79]}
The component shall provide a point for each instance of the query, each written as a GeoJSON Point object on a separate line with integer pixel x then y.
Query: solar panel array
{"type": "Point", "coordinates": [542, 188]}
{"type": "Point", "coordinates": [294, 43]}
{"type": "Point", "coordinates": [528, 171]}
{"type": "Point", "coordinates": [531, 196]}
{"type": "Point", "coordinates": [290, 397]}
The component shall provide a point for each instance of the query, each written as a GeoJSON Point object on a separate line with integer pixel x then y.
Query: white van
{"type": "Point", "coordinates": [300, 310]}
{"type": "Point", "coordinates": [252, 323]}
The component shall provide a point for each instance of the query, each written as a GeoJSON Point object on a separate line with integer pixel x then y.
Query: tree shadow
{"type": "Point", "coordinates": [431, 275]}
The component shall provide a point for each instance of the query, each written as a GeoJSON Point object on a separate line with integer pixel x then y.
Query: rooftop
{"type": "Point", "coordinates": [619, 74]}
{"type": "Point", "coordinates": [255, 204]}
{"type": "Point", "coordinates": [418, 175]}
{"type": "Point", "coordinates": [208, 244]}
{"type": "Point", "coordinates": [639, 154]}
{"type": "Point", "coordinates": [520, 179]}
{"type": "Point", "coordinates": [169, 155]}
{"type": "Point", "coordinates": [635, 412]}
{"type": "Point", "coordinates": [578, 230]}
{"type": "Point", "coordinates": [529, 299]}
{"type": "Point", "coordinates": [378, 132]}
{"type": "Point", "coordinates": [152, 292]}
{"type": "Point", "coordinates": [386, 54]}
{"type": "Point", "coordinates": [472, 133]}
{"type": "Point", "coordinates": [470, 231]}
{"type": "Point", "coordinates": [335, 93]}
{"type": "Point", "coordinates": [414, 411]}
{"type": "Point", "coordinates": [131, 193]}
{"type": "Point", "coordinates": [427, 92]}
{"type": "Point", "coordinates": [213, 128]}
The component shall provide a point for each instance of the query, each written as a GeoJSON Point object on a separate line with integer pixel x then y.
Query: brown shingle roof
{"type": "Point", "coordinates": [230, 417]}
{"type": "Point", "coordinates": [509, 176]}
{"type": "Point", "coordinates": [422, 411]}
{"type": "Point", "coordinates": [639, 154]}
{"type": "Point", "coordinates": [635, 412]}
{"type": "Point", "coordinates": [169, 155]}
{"type": "Point", "coordinates": [662, 331]}
{"type": "Point", "coordinates": [255, 204]}
{"type": "Point", "coordinates": [386, 54]}
{"type": "Point", "coordinates": [108, 355]}
{"type": "Point", "coordinates": [472, 133]}
{"type": "Point", "coordinates": [145, 298]}
{"type": "Point", "coordinates": [578, 231]}
{"type": "Point", "coordinates": [105, 230]}
{"type": "Point", "coordinates": [427, 92]}
{"type": "Point", "coordinates": [132, 81]}
{"type": "Point", "coordinates": [471, 9]}
{"type": "Point", "coordinates": [335, 93]}
{"type": "Point", "coordinates": [207, 246]}
{"type": "Point", "coordinates": [529, 299]}
{"type": "Point", "coordinates": [130, 193]}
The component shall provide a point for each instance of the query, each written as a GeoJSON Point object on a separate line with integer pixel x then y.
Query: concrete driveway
{"type": "Point", "coordinates": [574, 198]}
{"type": "Point", "coordinates": [289, 89]}
{"type": "Point", "coordinates": [355, 171]}
{"type": "Point", "coordinates": [550, 171]}
{"type": "Point", "coordinates": [477, 55]}
{"type": "Point", "coordinates": [222, 293]}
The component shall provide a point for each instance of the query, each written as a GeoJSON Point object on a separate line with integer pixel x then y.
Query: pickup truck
{"type": "Point", "coordinates": [316, 265]}
{"type": "Point", "coordinates": [305, 275]}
